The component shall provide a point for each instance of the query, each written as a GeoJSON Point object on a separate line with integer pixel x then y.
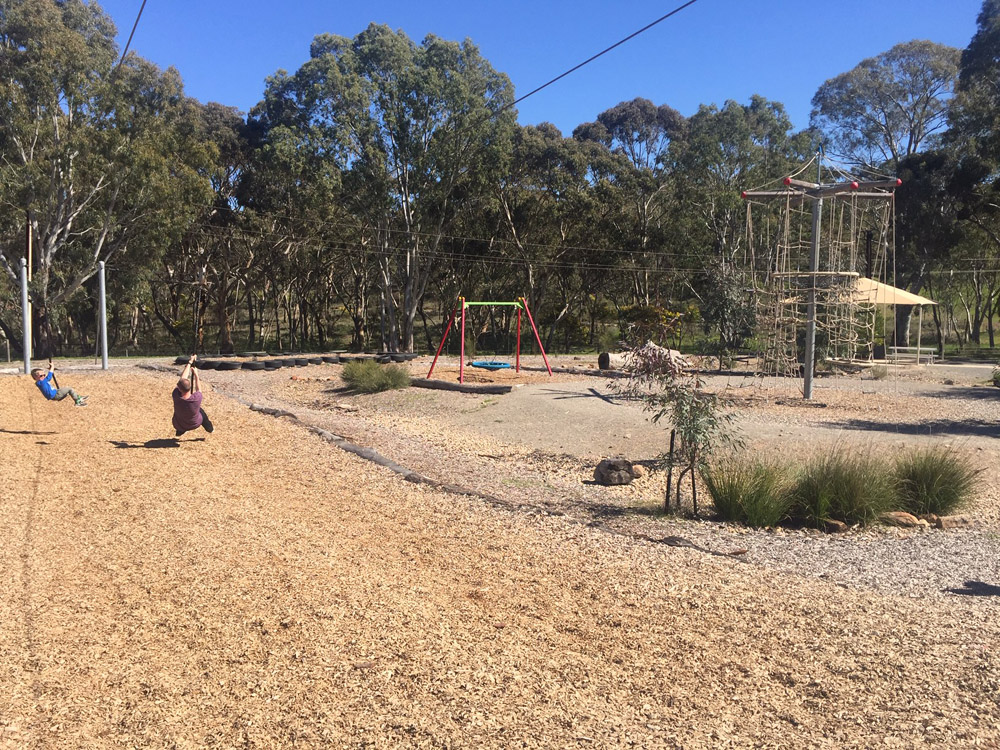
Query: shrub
{"type": "Point", "coordinates": [878, 372]}
{"type": "Point", "coordinates": [752, 492]}
{"type": "Point", "coordinates": [855, 488]}
{"type": "Point", "coordinates": [934, 480]}
{"type": "Point", "coordinates": [367, 376]}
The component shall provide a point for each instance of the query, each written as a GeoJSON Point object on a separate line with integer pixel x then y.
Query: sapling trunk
{"type": "Point", "coordinates": [670, 471]}
{"type": "Point", "coordinates": [694, 486]}
{"type": "Point", "coordinates": [680, 481]}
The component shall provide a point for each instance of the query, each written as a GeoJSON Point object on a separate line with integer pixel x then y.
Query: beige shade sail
{"type": "Point", "coordinates": [869, 291]}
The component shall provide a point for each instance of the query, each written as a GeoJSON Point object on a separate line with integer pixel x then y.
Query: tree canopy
{"type": "Point", "coordinates": [386, 176]}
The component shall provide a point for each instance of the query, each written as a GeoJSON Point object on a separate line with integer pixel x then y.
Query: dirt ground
{"type": "Point", "coordinates": [260, 588]}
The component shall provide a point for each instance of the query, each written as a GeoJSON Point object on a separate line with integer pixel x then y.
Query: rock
{"type": "Point", "coordinates": [614, 471]}
{"type": "Point", "coordinates": [929, 517]}
{"type": "Point", "coordinates": [953, 522]}
{"type": "Point", "coordinates": [834, 526]}
{"type": "Point", "coordinates": [899, 518]}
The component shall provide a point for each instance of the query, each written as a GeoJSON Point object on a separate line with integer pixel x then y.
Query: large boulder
{"type": "Point", "coordinates": [614, 471]}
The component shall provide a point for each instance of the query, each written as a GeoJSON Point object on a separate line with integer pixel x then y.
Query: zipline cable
{"type": "Point", "coordinates": [590, 59]}
{"type": "Point", "coordinates": [129, 42]}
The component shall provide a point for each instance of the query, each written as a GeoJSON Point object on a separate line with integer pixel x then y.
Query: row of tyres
{"type": "Point", "coordinates": [267, 364]}
{"type": "Point", "coordinates": [296, 361]}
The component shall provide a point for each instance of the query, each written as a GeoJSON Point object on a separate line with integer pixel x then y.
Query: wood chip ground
{"type": "Point", "coordinates": [259, 588]}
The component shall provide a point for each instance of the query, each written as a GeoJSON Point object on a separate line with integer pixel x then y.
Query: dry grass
{"type": "Point", "coordinates": [262, 589]}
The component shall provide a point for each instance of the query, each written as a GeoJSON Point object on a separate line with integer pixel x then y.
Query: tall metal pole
{"type": "Point", "coordinates": [25, 316]}
{"type": "Point", "coordinates": [28, 253]}
{"type": "Point", "coordinates": [104, 318]}
{"type": "Point", "coordinates": [810, 355]}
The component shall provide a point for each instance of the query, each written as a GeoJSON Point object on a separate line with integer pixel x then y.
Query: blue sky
{"type": "Point", "coordinates": [713, 51]}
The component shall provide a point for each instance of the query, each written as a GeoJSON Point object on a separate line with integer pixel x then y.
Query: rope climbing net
{"type": "Point", "coordinates": [807, 247]}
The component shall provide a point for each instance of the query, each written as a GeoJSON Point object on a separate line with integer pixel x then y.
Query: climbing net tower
{"type": "Point", "coordinates": [813, 251]}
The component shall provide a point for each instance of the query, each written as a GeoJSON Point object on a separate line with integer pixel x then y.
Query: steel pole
{"type": "Point", "coordinates": [25, 316]}
{"type": "Point", "coordinates": [31, 263]}
{"type": "Point", "coordinates": [810, 355]}
{"type": "Point", "coordinates": [104, 317]}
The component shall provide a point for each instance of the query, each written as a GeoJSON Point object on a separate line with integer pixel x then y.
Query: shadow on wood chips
{"type": "Point", "coordinates": [976, 588]}
{"type": "Point", "coordinates": [156, 443]}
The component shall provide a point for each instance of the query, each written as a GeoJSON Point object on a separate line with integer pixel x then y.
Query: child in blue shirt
{"type": "Point", "coordinates": [44, 381]}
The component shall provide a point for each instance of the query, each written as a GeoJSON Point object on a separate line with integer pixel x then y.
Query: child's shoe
{"type": "Point", "coordinates": [82, 401]}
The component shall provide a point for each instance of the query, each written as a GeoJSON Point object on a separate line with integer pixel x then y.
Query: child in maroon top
{"type": "Point", "coordinates": [188, 414]}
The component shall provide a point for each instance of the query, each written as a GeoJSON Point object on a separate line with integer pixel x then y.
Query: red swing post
{"type": "Point", "coordinates": [537, 337]}
{"type": "Point", "coordinates": [517, 359]}
{"type": "Point", "coordinates": [447, 328]}
{"type": "Point", "coordinates": [461, 361]}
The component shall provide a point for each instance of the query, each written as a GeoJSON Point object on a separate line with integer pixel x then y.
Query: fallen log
{"type": "Point", "coordinates": [441, 385]}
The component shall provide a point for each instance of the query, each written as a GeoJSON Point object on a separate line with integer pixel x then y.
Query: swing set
{"type": "Point", "coordinates": [522, 306]}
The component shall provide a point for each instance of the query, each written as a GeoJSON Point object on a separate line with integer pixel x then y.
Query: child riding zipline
{"type": "Point", "coordinates": [49, 386]}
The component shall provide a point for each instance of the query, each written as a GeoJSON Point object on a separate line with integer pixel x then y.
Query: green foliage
{"type": "Point", "coordinates": [935, 480]}
{"type": "Point", "coordinates": [888, 106]}
{"type": "Point", "coordinates": [728, 307]}
{"type": "Point", "coordinates": [752, 492]}
{"type": "Point", "coordinates": [367, 376]}
{"type": "Point", "coordinates": [975, 110]}
{"type": "Point", "coordinates": [660, 380]}
{"type": "Point", "coordinates": [853, 487]}
{"type": "Point", "coordinates": [642, 323]}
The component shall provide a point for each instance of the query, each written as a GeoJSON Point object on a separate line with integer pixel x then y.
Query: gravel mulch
{"type": "Point", "coordinates": [258, 588]}
{"type": "Point", "coordinates": [497, 445]}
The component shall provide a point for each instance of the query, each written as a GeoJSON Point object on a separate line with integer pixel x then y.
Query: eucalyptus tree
{"type": "Point", "coordinates": [888, 106]}
{"type": "Point", "coordinates": [638, 135]}
{"type": "Point", "coordinates": [95, 155]}
{"type": "Point", "coordinates": [885, 109]}
{"type": "Point", "coordinates": [292, 192]}
{"type": "Point", "coordinates": [414, 128]}
{"type": "Point", "coordinates": [974, 138]}
{"type": "Point", "coordinates": [975, 114]}
{"type": "Point", "coordinates": [928, 205]}
{"type": "Point", "coordinates": [546, 217]}
{"type": "Point", "coordinates": [725, 151]}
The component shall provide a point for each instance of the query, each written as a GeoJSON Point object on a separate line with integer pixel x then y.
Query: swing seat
{"type": "Point", "coordinates": [488, 364]}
